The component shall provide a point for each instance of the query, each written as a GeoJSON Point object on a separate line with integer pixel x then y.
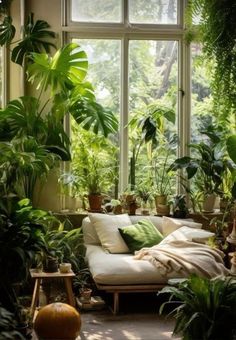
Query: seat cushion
{"type": "Point", "coordinates": [121, 269]}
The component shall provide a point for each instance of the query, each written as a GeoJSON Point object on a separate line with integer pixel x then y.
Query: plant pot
{"type": "Point", "coordinates": [117, 210]}
{"type": "Point", "coordinates": [95, 202]}
{"type": "Point", "coordinates": [50, 265]}
{"type": "Point", "coordinates": [209, 203]}
{"type": "Point", "coordinates": [85, 294]}
{"type": "Point", "coordinates": [162, 208]}
{"type": "Point", "coordinates": [179, 214]}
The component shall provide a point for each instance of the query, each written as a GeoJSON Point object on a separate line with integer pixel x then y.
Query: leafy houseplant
{"type": "Point", "coordinates": [180, 209]}
{"type": "Point", "coordinates": [206, 308]}
{"type": "Point", "coordinates": [22, 230]}
{"type": "Point", "coordinates": [95, 171]}
{"type": "Point", "coordinates": [41, 119]}
{"type": "Point", "coordinates": [208, 164]}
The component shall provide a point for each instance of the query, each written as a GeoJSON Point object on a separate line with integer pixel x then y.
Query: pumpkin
{"type": "Point", "coordinates": [57, 321]}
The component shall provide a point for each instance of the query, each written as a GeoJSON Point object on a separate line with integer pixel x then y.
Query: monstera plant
{"type": "Point", "coordinates": [62, 88]}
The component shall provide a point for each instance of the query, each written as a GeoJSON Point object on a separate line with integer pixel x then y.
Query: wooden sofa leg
{"type": "Point", "coordinates": [115, 303]}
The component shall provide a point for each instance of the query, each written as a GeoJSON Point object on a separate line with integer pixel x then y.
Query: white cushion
{"type": "Point", "coordinates": [187, 234]}
{"type": "Point", "coordinates": [107, 230]}
{"type": "Point", "coordinates": [171, 224]}
{"type": "Point", "coordinates": [89, 232]}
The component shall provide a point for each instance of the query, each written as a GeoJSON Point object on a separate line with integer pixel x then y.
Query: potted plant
{"type": "Point", "coordinates": [206, 166]}
{"type": "Point", "coordinates": [180, 209]}
{"type": "Point", "coordinates": [144, 193]}
{"type": "Point", "coordinates": [94, 169]}
{"type": "Point", "coordinates": [22, 230]}
{"type": "Point", "coordinates": [82, 283]}
{"type": "Point", "coordinates": [206, 308]}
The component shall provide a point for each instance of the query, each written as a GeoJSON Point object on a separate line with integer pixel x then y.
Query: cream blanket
{"type": "Point", "coordinates": [185, 257]}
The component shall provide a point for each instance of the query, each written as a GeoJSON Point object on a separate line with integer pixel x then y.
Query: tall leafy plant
{"type": "Point", "coordinates": [62, 88]}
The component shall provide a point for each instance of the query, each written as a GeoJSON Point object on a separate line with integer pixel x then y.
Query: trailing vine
{"type": "Point", "coordinates": [217, 32]}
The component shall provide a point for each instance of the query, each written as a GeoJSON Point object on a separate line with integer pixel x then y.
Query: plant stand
{"type": "Point", "coordinates": [38, 276]}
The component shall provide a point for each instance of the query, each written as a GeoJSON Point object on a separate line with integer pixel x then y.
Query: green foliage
{"type": "Point", "coordinates": [8, 325]}
{"type": "Point", "coordinates": [206, 308]}
{"type": "Point", "coordinates": [208, 163]}
{"type": "Point", "coordinates": [93, 162]}
{"type": "Point", "coordinates": [35, 35]}
{"type": "Point", "coordinates": [218, 35]}
{"type": "Point", "coordinates": [7, 31]}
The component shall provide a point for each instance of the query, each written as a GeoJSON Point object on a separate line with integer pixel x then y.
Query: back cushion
{"type": "Point", "coordinates": [89, 232]}
{"type": "Point", "coordinates": [171, 224]}
{"type": "Point", "coordinates": [106, 227]}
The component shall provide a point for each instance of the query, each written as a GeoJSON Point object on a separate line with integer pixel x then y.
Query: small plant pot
{"type": "Point", "coordinates": [50, 265]}
{"type": "Point", "coordinates": [95, 202]}
{"type": "Point", "coordinates": [85, 294]}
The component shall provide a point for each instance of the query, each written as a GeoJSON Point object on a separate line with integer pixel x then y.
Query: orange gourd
{"type": "Point", "coordinates": [57, 321]}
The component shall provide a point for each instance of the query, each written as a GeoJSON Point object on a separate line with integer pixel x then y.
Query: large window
{"type": "Point", "coordinates": [134, 50]}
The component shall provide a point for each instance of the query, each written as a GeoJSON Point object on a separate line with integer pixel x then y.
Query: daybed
{"type": "Point", "coordinates": [116, 270]}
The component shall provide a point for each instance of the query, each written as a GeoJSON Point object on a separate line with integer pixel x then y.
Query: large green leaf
{"type": "Point", "coordinates": [92, 116]}
{"type": "Point", "coordinates": [21, 118]}
{"type": "Point", "coordinates": [7, 31]}
{"type": "Point", "coordinates": [35, 40]}
{"type": "Point", "coordinates": [66, 69]}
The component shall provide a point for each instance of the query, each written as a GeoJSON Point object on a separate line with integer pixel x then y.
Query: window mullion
{"type": "Point", "coordinates": [124, 148]}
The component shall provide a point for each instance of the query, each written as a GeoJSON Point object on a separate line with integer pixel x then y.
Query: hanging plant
{"type": "Point", "coordinates": [217, 32]}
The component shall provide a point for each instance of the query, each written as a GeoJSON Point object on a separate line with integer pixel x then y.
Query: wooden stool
{"type": "Point", "coordinates": [38, 276]}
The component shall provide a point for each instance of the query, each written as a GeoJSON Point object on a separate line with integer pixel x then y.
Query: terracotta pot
{"type": "Point", "coordinates": [95, 202]}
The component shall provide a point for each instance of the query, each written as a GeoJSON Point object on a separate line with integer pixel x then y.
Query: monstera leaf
{"type": "Point", "coordinates": [7, 31]}
{"type": "Point", "coordinates": [35, 35]}
{"type": "Point", "coordinates": [92, 116]}
{"type": "Point", "coordinates": [63, 71]}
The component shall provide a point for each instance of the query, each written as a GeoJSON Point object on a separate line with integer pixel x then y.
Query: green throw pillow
{"type": "Point", "coordinates": [140, 235]}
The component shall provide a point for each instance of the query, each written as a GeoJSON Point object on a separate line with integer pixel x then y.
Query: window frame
{"type": "Point", "coordinates": [125, 31]}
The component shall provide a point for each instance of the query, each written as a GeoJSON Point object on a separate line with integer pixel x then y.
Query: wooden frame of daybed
{"type": "Point", "coordinates": [116, 290]}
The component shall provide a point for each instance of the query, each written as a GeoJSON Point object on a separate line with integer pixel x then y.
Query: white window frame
{"type": "Point", "coordinates": [125, 31]}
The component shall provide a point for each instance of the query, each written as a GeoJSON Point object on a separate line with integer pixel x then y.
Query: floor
{"type": "Point", "coordinates": [138, 319]}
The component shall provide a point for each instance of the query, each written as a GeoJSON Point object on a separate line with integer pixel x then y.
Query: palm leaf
{"type": "Point", "coordinates": [7, 31]}
{"type": "Point", "coordinates": [35, 35]}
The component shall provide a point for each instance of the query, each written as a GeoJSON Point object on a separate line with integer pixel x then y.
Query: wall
{"type": "Point", "coordinates": [47, 194]}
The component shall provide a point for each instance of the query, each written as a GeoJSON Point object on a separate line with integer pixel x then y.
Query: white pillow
{"type": "Point", "coordinates": [107, 230]}
{"type": "Point", "coordinates": [171, 224]}
{"type": "Point", "coordinates": [188, 234]}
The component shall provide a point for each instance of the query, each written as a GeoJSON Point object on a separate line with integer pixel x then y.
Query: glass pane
{"type": "Point", "coordinates": [96, 11]}
{"type": "Point", "coordinates": [104, 58]}
{"type": "Point", "coordinates": [153, 11]}
{"type": "Point", "coordinates": [153, 76]}
{"type": "Point", "coordinates": [201, 100]}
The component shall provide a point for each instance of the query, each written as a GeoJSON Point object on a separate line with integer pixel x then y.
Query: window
{"type": "Point", "coordinates": [134, 49]}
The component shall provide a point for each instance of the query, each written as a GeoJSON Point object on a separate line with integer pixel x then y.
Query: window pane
{"type": "Point", "coordinates": [201, 100]}
{"type": "Point", "coordinates": [96, 11]}
{"type": "Point", "coordinates": [104, 74]}
{"type": "Point", "coordinates": [153, 97]}
{"type": "Point", "coordinates": [153, 11]}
